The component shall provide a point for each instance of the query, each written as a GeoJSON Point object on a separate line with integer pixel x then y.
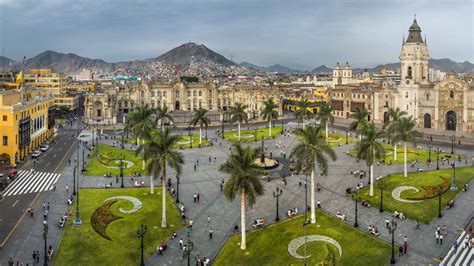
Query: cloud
{"type": "Point", "coordinates": [264, 32]}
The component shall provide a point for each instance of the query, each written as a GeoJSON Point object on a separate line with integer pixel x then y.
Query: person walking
{"type": "Point", "coordinates": [437, 238]}
{"type": "Point", "coordinates": [44, 205]}
{"type": "Point", "coordinates": [440, 239]}
{"type": "Point", "coordinates": [37, 256]}
{"type": "Point", "coordinates": [67, 189]}
{"type": "Point", "coordinates": [210, 233]}
{"type": "Point", "coordinates": [195, 197]}
{"type": "Point", "coordinates": [400, 251]}
{"type": "Point", "coordinates": [445, 230]}
{"type": "Point", "coordinates": [417, 224]}
{"type": "Point", "coordinates": [208, 219]}
{"type": "Point", "coordinates": [455, 246]}
{"type": "Point", "coordinates": [47, 207]}
{"type": "Point", "coordinates": [10, 262]}
{"type": "Point", "coordinates": [198, 197]}
{"type": "Point", "coordinates": [387, 222]}
{"type": "Point", "coordinates": [319, 204]}
{"type": "Point", "coordinates": [181, 243]}
{"type": "Point", "coordinates": [405, 244]}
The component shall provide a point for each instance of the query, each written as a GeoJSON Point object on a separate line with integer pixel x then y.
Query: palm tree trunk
{"type": "Point", "coordinates": [243, 244]}
{"type": "Point", "coordinates": [152, 184]}
{"type": "Point", "coordinates": [405, 174]}
{"type": "Point", "coordinates": [238, 134]}
{"type": "Point", "coordinates": [138, 141]}
{"type": "Point", "coordinates": [360, 137]}
{"type": "Point", "coordinates": [327, 132]}
{"type": "Point", "coordinates": [163, 199]}
{"type": "Point", "coordinates": [371, 170]}
{"type": "Point", "coordinates": [143, 161]}
{"type": "Point", "coordinates": [395, 152]}
{"type": "Point", "coordinates": [313, 213]}
{"type": "Point", "coordinates": [270, 128]}
{"type": "Point", "coordinates": [200, 135]}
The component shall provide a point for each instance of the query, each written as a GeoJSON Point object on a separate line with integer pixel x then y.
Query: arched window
{"type": "Point", "coordinates": [200, 93]}
{"type": "Point", "coordinates": [406, 94]}
{"type": "Point", "coordinates": [409, 74]}
{"type": "Point", "coordinates": [427, 96]}
{"type": "Point", "coordinates": [451, 94]}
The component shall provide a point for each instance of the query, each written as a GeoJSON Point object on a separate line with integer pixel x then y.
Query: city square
{"type": "Point", "coordinates": [212, 163]}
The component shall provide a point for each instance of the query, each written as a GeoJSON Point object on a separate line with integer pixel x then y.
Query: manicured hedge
{"type": "Point", "coordinates": [102, 217]}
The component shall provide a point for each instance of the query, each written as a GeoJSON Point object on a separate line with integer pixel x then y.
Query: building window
{"type": "Point", "coordinates": [4, 118]}
{"type": "Point", "coordinates": [406, 94]}
{"type": "Point", "coordinates": [5, 140]}
{"type": "Point", "coordinates": [427, 97]}
{"type": "Point", "coordinates": [451, 95]}
{"type": "Point", "coordinates": [409, 72]}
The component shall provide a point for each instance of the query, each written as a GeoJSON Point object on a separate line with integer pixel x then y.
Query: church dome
{"type": "Point", "coordinates": [414, 35]}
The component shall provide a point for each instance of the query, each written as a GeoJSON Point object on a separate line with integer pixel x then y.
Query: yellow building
{"type": "Point", "coordinates": [9, 81]}
{"type": "Point", "coordinates": [319, 96]}
{"type": "Point", "coordinates": [87, 87]}
{"type": "Point", "coordinates": [46, 80]}
{"type": "Point", "coordinates": [26, 121]}
{"type": "Point", "coordinates": [67, 101]}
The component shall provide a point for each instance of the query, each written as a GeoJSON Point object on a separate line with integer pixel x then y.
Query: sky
{"type": "Point", "coordinates": [298, 34]}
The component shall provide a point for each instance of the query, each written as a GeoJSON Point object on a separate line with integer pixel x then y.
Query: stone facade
{"type": "Point", "coordinates": [114, 100]}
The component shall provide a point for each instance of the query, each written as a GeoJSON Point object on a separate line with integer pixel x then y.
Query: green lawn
{"type": "Point", "coordinates": [336, 139]}
{"type": "Point", "coordinates": [183, 143]}
{"type": "Point", "coordinates": [249, 135]}
{"type": "Point", "coordinates": [420, 155]}
{"type": "Point", "coordinates": [97, 168]}
{"type": "Point", "coordinates": [423, 211]}
{"type": "Point", "coordinates": [84, 246]}
{"type": "Point", "coordinates": [269, 246]}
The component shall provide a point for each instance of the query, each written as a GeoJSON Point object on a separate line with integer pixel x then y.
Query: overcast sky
{"type": "Point", "coordinates": [289, 32]}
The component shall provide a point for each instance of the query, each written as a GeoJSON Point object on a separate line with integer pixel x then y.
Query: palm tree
{"type": "Point", "coordinates": [139, 121]}
{"type": "Point", "coordinates": [160, 152]}
{"type": "Point", "coordinates": [269, 113]}
{"type": "Point", "coordinates": [369, 149]}
{"type": "Point", "coordinates": [395, 115]}
{"type": "Point", "coordinates": [312, 152]}
{"type": "Point", "coordinates": [303, 111]}
{"type": "Point", "coordinates": [201, 119]}
{"type": "Point", "coordinates": [405, 132]}
{"type": "Point", "coordinates": [238, 114]}
{"type": "Point", "coordinates": [163, 113]}
{"type": "Point", "coordinates": [325, 117]}
{"type": "Point", "coordinates": [360, 115]}
{"type": "Point", "coordinates": [244, 180]}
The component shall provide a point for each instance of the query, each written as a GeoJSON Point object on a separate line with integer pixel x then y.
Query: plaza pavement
{"type": "Point", "coordinates": [224, 215]}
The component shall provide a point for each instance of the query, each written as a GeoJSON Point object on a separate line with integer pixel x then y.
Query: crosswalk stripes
{"type": "Point", "coordinates": [463, 256]}
{"type": "Point", "coordinates": [31, 182]}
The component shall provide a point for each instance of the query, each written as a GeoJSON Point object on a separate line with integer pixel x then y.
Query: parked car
{"type": "Point", "coordinates": [36, 154]}
{"type": "Point", "coordinates": [44, 147]}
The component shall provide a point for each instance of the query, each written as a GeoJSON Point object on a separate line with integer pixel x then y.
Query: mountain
{"type": "Point", "coordinates": [281, 69]}
{"type": "Point", "coordinates": [322, 69]}
{"type": "Point", "coordinates": [5, 62]}
{"type": "Point", "coordinates": [250, 65]}
{"type": "Point", "coordinates": [444, 64]}
{"type": "Point", "coordinates": [183, 54]}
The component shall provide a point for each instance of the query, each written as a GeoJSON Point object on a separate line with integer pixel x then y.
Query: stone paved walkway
{"type": "Point", "coordinates": [224, 215]}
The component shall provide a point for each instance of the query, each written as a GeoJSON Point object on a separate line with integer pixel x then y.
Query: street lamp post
{"type": "Point", "coordinates": [74, 182]}
{"type": "Point", "coordinates": [45, 237]}
{"type": "Point", "coordinates": [262, 158]}
{"type": "Point", "coordinates": [223, 126]}
{"type": "Point", "coordinates": [437, 158]}
{"type": "Point", "coordinates": [141, 234]}
{"type": "Point", "coordinates": [121, 157]}
{"type": "Point", "coordinates": [255, 134]}
{"type": "Point", "coordinates": [190, 139]}
{"type": "Point", "coordinates": [83, 160]}
{"type": "Point", "coordinates": [123, 140]}
{"type": "Point", "coordinates": [391, 230]}
{"type": "Point", "coordinates": [347, 133]}
{"type": "Point", "coordinates": [189, 245]}
{"type": "Point", "coordinates": [453, 183]}
{"type": "Point", "coordinates": [78, 221]}
{"type": "Point", "coordinates": [306, 221]}
{"type": "Point", "coordinates": [382, 186]}
{"type": "Point", "coordinates": [177, 188]}
{"type": "Point", "coordinates": [277, 195]}
{"type": "Point", "coordinates": [429, 153]}
{"type": "Point", "coordinates": [439, 191]}
{"type": "Point", "coordinates": [355, 197]}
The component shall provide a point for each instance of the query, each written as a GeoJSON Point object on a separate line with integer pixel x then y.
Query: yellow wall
{"type": "Point", "coordinates": [10, 128]}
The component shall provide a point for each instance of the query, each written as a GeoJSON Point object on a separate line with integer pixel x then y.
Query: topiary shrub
{"type": "Point", "coordinates": [102, 217]}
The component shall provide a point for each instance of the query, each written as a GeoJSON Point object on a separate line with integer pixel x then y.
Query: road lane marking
{"type": "Point", "coordinates": [13, 206]}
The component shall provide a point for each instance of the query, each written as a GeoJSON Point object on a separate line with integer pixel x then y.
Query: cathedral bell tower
{"type": "Point", "coordinates": [414, 59]}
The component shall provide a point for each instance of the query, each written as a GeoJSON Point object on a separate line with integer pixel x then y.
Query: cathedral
{"type": "Point", "coordinates": [447, 104]}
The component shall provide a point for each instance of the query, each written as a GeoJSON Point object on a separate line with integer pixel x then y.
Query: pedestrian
{"type": "Point", "coordinates": [69, 162]}
{"type": "Point", "coordinates": [445, 230]}
{"type": "Point", "coordinates": [44, 205]}
{"type": "Point", "coordinates": [34, 255]}
{"type": "Point", "coordinates": [236, 228]}
{"type": "Point", "coordinates": [37, 256]}
{"type": "Point", "coordinates": [191, 223]}
{"type": "Point", "coordinates": [198, 197]}
{"type": "Point", "coordinates": [417, 224]}
{"type": "Point", "coordinates": [181, 243]}
{"type": "Point", "coordinates": [195, 197]}
{"type": "Point", "coordinates": [194, 167]}
{"type": "Point", "coordinates": [437, 238]}
{"type": "Point", "coordinates": [208, 219]}
{"type": "Point", "coordinates": [405, 244]}
{"type": "Point", "coordinates": [221, 185]}
{"type": "Point", "coordinates": [400, 251]}
{"type": "Point", "coordinates": [387, 222]}
{"type": "Point", "coordinates": [10, 262]}
{"type": "Point", "coordinates": [210, 233]}
{"type": "Point", "coordinates": [67, 189]}
{"type": "Point", "coordinates": [47, 207]}
{"type": "Point", "coordinates": [319, 204]}
{"type": "Point", "coordinates": [210, 158]}
{"type": "Point", "coordinates": [197, 162]}
{"type": "Point", "coordinates": [440, 239]}
{"type": "Point", "coordinates": [456, 246]}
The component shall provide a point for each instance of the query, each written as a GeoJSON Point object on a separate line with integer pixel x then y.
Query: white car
{"type": "Point", "coordinates": [44, 147]}
{"type": "Point", "coordinates": [36, 154]}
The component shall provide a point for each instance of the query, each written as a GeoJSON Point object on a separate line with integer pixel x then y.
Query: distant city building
{"type": "Point", "coordinates": [436, 75]}
{"type": "Point", "coordinates": [85, 75]}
